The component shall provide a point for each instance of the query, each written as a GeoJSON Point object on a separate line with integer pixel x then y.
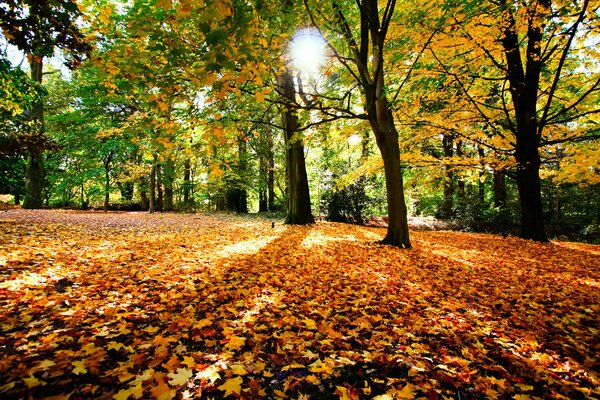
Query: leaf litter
{"type": "Point", "coordinates": [174, 306]}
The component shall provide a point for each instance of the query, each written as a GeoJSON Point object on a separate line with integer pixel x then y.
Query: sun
{"type": "Point", "coordinates": [307, 50]}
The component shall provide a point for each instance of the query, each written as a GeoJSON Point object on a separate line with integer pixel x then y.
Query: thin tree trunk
{"type": "Point", "coordinates": [169, 175]}
{"type": "Point", "coordinates": [107, 160]}
{"type": "Point", "coordinates": [448, 143]}
{"type": "Point", "coordinates": [152, 197]}
{"type": "Point", "coordinates": [480, 183]}
{"type": "Point", "coordinates": [34, 171]}
{"type": "Point", "coordinates": [159, 187]}
{"type": "Point", "coordinates": [186, 180]}
{"type": "Point", "coordinates": [271, 172]}
{"type": "Point", "coordinates": [299, 211]}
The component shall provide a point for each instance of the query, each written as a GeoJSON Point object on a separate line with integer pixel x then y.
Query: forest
{"type": "Point", "coordinates": [484, 114]}
{"type": "Point", "coordinates": [387, 199]}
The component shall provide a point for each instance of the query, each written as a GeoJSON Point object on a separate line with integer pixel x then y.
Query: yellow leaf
{"type": "Point", "coordinates": [406, 392]}
{"type": "Point", "coordinates": [524, 387]}
{"type": "Point", "coordinates": [189, 361]}
{"type": "Point", "coordinates": [232, 386]}
{"type": "Point", "coordinates": [32, 382]}
{"type": "Point", "coordinates": [235, 342]}
{"type": "Point", "coordinates": [310, 324]}
{"type": "Point", "coordinates": [79, 367]}
{"type": "Point", "coordinates": [181, 377]}
{"type": "Point", "coordinates": [239, 369]}
{"type": "Point", "coordinates": [163, 392]}
{"type": "Point", "coordinates": [203, 323]}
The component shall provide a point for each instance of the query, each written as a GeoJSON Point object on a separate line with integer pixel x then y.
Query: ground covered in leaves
{"type": "Point", "coordinates": [162, 306]}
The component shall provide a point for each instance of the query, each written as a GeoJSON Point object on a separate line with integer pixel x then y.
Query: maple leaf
{"type": "Point", "coordinates": [80, 367]}
{"type": "Point", "coordinates": [162, 391]}
{"type": "Point", "coordinates": [232, 386]}
{"type": "Point", "coordinates": [235, 343]}
{"type": "Point", "coordinates": [238, 369]}
{"type": "Point", "coordinates": [31, 382]}
{"type": "Point", "coordinates": [180, 377]}
{"type": "Point", "coordinates": [407, 392]}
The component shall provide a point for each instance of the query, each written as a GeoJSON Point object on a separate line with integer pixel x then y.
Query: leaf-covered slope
{"type": "Point", "coordinates": [132, 305]}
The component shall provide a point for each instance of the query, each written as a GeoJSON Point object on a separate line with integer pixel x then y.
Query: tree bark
{"type": "Point", "coordinates": [368, 56]}
{"type": "Point", "coordinates": [448, 143]}
{"type": "Point", "coordinates": [271, 172]}
{"type": "Point", "coordinates": [524, 86]}
{"type": "Point", "coordinates": [186, 180]}
{"type": "Point", "coordinates": [298, 210]}
{"type": "Point", "coordinates": [34, 171]}
{"type": "Point", "coordinates": [480, 183]}
{"type": "Point", "coordinates": [387, 141]}
{"type": "Point", "coordinates": [106, 163]}
{"type": "Point", "coordinates": [159, 187]}
{"type": "Point", "coordinates": [152, 197]}
{"type": "Point", "coordinates": [169, 175]}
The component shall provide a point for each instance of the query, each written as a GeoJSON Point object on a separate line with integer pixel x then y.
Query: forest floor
{"type": "Point", "coordinates": [162, 306]}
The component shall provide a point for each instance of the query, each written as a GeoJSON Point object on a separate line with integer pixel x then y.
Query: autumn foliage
{"type": "Point", "coordinates": [132, 305]}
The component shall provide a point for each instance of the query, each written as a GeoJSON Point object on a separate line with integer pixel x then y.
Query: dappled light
{"type": "Point", "coordinates": [176, 306]}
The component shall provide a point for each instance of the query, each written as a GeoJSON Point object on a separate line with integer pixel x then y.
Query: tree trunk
{"type": "Point", "coordinates": [187, 184]}
{"type": "Point", "coordinates": [107, 160]}
{"type": "Point", "coordinates": [271, 172]}
{"type": "Point", "coordinates": [159, 187]}
{"type": "Point", "coordinates": [448, 143]}
{"type": "Point", "coordinates": [298, 212]}
{"type": "Point", "coordinates": [34, 171]}
{"type": "Point", "coordinates": [524, 86]}
{"type": "Point", "coordinates": [397, 231]}
{"type": "Point", "coordinates": [152, 197]}
{"type": "Point", "coordinates": [480, 183]}
{"type": "Point", "coordinates": [460, 183]}
{"type": "Point", "coordinates": [530, 194]}
{"type": "Point", "coordinates": [169, 174]}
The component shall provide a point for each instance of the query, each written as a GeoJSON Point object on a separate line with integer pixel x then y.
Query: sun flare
{"type": "Point", "coordinates": [307, 50]}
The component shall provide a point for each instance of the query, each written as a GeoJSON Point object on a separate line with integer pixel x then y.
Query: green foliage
{"type": "Point", "coordinates": [347, 204]}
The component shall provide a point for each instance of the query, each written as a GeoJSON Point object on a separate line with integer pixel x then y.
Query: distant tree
{"type": "Point", "coordinates": [38, 27]}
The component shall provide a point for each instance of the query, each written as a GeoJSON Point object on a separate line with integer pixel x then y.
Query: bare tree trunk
{"type": "Point", "coordinates": [159, 187]}
{"type": "Point", "coordinates": [34, 172]}
{"type": "Point", "coordinates": [299, 211]}
{"type": "Point", "coordinates": [271, 172]}
{"type": "Point", "coordinates": [480, 183]}
{"type": "Point", "coordinates": [448, 144]}
{"type": "Point", "coordinates": [152, 197]}
{"type": "Point", "coordinates": [186, 180]}
{"type": "Point", "coordinates": [169, 175]}
{"type": "Point", "coordinates": [107, 161]}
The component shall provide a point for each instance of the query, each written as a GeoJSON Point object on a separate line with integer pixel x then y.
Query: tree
{"type": "Point", "coordinates": [362, 28]}
{"type": "Point", "coordinates": [37, 28]}
{"type": "Point", "coordinates": [527, 83]}
{"type": "Point", "coordinates": [298, 209]}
